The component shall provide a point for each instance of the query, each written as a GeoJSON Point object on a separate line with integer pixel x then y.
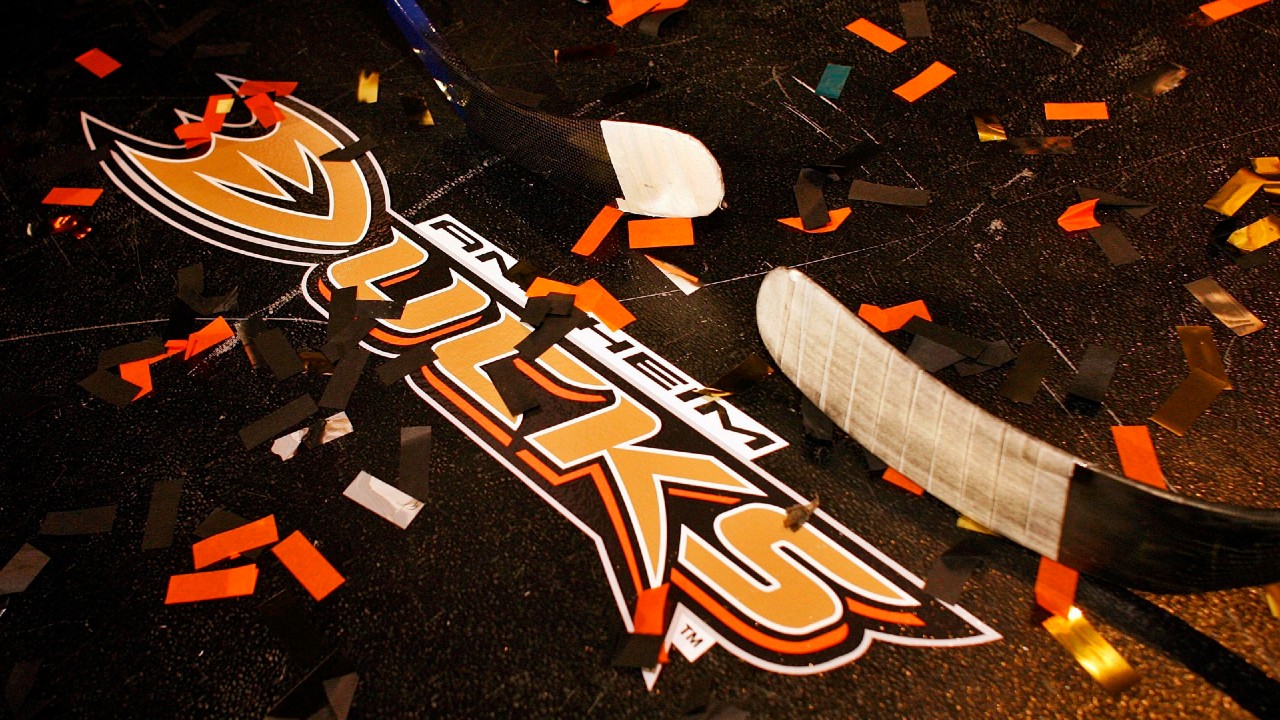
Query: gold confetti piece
{"type": "Point", "coordinates": [1052, 35]}
{"type": "Point", "coordinates": [1188, 402]}
{"type": "Point", "coordinates": [313, 363]}
{"type": "Point", "coordinates": [1256, 235]}
{"type": "Point", "coordinates": [1042, 145]}
{"type": "Point", "coordinates": [1236, 192]}
{"type": "Point", "coordinates": [1224, 307]}
{"type": "Point", "coordinates": [1159, 81]}
{"type": "Point", "coordinates": [989, 127]}
{"type": "Point", "coordinates": [1201, 352]}
{"type": "Point", "coordinates": [798, 515]}
{"type": "Point", "coordinates": [966, 523]}
{"type": "Point", "coordinates": [367, 90]}
{"type": "Point", "coordinates": [416, 108]}
{"type": "Point", "coordinates": [1092, 651]}
{"type": "Point", "coordinates": [1266, 165]}
{"type": "Point", "coordinates": [73, 224]}
{"type": "Point", "coordinates": [1272, 595]}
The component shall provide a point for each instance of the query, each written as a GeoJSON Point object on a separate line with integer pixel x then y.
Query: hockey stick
{"type": "Point", "coordinates": [1019, 486]}
{"type": "Point", "coordinates": [647, 169]}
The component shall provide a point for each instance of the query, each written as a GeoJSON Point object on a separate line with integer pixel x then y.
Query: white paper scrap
{"type": "Point", "coordinates": [383, 499]}
{"type": "Point", "coordinates": [335, 426]}
{"type": "Point", "coordinates": [650, 676]}
{"type": "Point", "coordinates": [681, 283]}
{"type": "Point", "coordinates": [286, 446]}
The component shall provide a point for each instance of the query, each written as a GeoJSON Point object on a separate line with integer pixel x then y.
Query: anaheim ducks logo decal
{"type": "Point", "coordinates": [661, 478]}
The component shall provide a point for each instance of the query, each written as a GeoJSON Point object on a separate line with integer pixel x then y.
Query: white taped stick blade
{"type": "Point", "coordinates": [976, 463]}
{"type": "Point", "coordinates": [662, 172]}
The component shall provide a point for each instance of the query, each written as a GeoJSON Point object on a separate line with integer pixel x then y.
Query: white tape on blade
{"type": "Point", "coordinates": [981, 466]}
{"type": "Point", "coordinates": [383, 499]}
{"type": "Point", "coordinates": [662, 172]}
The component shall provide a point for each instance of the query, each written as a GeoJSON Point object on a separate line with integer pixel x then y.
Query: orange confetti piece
{"type": "Point", "coordinates": [207, 336]}
{"type": "Point", "coordinates": [875, 35]}
{"type": "Point", "coordinates": [651, 610]}
{"type": "Point", "coordinates": [624, 11]}
{"type": "Point", "coordinates": [660, 232]}
{"type": "Point", "coordinates": [1076, 111]}
{"type": "Point", "coordinates": [890, 319]}
{"type": "Point", "coordinates": [98, 63]}
{"type": "Point", "coordinates": [837, 219]}
{"type": "Point", "coordinates": [193, 134]}
{"type": "Point", "coordinates": [261, 87]}
{"type": "Point", "coordinates": [545, 286]}
{"type": "Point", "coordinates": [214, 585]}
{"type": "Point", "coordinates": [1138, 455]}
{"type": "Point", "coordinates": [1056, 587]}
{"type": "Point", "coordinates": [138, 372]}
{"type": "Point", "coordinates": [597, 230]}
{"type": "Point", "coordinates": [235, 541]}
{"type": "Point", "coordinates": [216, 109]}
{"type": "Point", "coordinates": [589, 297]}
{"type": "Point", "coordinates": [264, 110]}
{"type": "Point", "coordinates": [902, 481]}
{"type": "Point", "coordinates": [1079, 216]}
{"type": "Point", "coordinates": [1220, 9]}
{"type": "Point", "coordinates": [312, 569]}
{"type": "Point", "coordinates": [84, 197]}
{"type": "Point", "coordinates": [587, 294]}
{"type": "Point", "coordinates": [604, 306]}
{"type": "Point", "coordinates": [916, 88]}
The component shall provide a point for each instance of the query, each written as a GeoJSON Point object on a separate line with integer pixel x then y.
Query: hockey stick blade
{"type": "Point", "coordinates": [646, 169]}
{"type": "Point", "coordinates": [981, 466]}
